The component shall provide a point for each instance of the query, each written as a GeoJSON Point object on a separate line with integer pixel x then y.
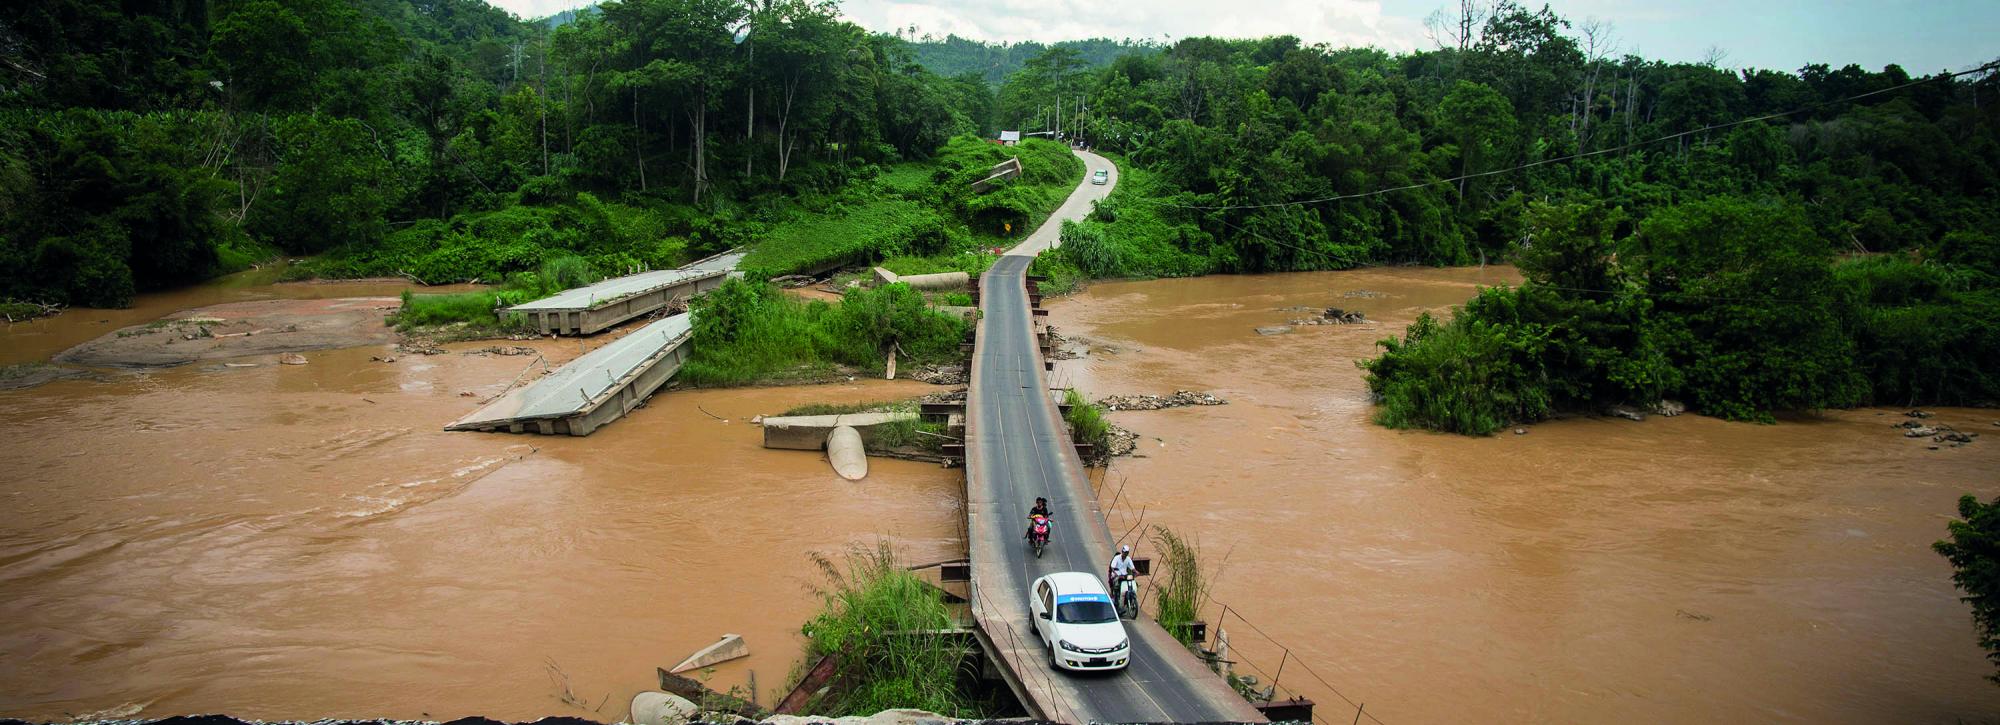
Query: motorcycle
{"type": "Point", "coordinates": [1038, 534]}
{"type": "Point", "coordinates": [1127, 596]}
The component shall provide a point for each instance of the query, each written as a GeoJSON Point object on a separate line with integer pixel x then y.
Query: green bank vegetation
{"type": "Point", "coordinates": [1732, 305]}
{"type": "Point", "coordinates": [748, 332]}
{"type": "Point", "coordinates": [1180, 585]}
{"type": "Point", "coordinates": [913, 433]}
{"type": "Point", "coordinates": [479, 311]}
{"type": "Point", "coordinates": [875, 619]}
{"type": "Point", "coordinates": [152, 146]}
{"type": "Point", "coordinates": [1840, 253]}
{"type": "Point", "coordinates": [1973, 548]}
{"type": "Point", "coordinates": [1086, 421]}
{"type": "Point", "coordinates": [921, 214]}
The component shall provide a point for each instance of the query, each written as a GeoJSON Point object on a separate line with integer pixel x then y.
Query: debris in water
{"type": "Point", "coordinates": [1180, 398]}
{"type": "Point", "coordinates": [730, 647]}
{"type": "Point", "coordinates": [292, 358]}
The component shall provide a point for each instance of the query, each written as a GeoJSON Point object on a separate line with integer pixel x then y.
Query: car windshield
{"type": "Point", "coordinates": [1086, 612]}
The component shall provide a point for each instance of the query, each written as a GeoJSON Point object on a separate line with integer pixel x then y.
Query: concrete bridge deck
{"type": "Point", "coordinates": [592, 390]}
{"type": "Point", "coordinates": [598, 307]}
{"type": "Point", "coordinates": [1017, 448]}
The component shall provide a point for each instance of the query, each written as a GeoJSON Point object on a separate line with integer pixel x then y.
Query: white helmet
{"type": "Point", "coordinates": [1126, 549]}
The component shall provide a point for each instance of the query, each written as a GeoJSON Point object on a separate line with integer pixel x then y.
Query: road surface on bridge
{"type": "Point", "coordinates": [1017, 449]}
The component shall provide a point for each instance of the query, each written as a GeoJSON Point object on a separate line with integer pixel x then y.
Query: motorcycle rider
{"type": "Point", "coordinates": [1122, 569]}
{"type": "Point", "coordinates": [1121, 564]}
{"type": "Point", "coordinates": [1039, 514]}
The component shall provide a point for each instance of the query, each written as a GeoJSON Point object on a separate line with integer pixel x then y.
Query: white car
{"type": "Point", "coordinates": [1101, 178]}
{"type": "Point", "coordinates": [1074, 616]}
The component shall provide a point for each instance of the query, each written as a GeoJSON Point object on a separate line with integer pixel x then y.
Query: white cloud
{"type": "Point", "coordinates": [1335, 22]}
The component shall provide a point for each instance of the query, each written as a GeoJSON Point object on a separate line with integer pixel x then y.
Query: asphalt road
{"type": "Point", "coordinates": [1020, 450]}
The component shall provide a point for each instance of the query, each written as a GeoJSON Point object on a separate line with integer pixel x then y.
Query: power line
{"type": "Point", "coordinates": [1585, 154]}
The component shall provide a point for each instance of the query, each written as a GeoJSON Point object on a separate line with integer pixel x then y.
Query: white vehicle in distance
{"type": "Point", "coordinates": [1101, 178]}
{"type": "Point", "coordinates": [1075, 618]}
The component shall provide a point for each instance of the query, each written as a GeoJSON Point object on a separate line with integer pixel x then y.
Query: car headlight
{"type": "Point", "coordinates": [1066, 645]}
{"type": "Point", "coordinates": [1121, 645]}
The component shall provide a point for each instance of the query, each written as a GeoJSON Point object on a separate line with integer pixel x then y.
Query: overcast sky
{"type": "Point", "coordinates": [1921, 35]}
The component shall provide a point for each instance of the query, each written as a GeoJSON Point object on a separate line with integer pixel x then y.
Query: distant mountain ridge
{"type": "Point", "coordinates": [953, 55]}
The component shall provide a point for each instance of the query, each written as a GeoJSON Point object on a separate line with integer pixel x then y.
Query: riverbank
{"type": "Point", "coordinates": [1679, 569]}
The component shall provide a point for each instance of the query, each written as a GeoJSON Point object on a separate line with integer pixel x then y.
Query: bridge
{"type": "Point", "coordinates": [1017, 448]}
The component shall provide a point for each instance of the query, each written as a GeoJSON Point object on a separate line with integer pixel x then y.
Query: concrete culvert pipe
{"type": "Point", "coordinates": [941, 280]}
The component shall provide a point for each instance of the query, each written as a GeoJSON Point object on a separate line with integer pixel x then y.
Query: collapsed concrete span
{"type": "Point", "coordinates": [598, 307]}
{"type": "Point", "coordinates": [603, 385]}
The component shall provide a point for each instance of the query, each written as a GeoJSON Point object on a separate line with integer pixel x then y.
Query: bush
{"type": "Point", "coordinates": [1126, 236]}
{"type": "Point", "coordinates": [1974, 552]}
{"type": "Point", "coordinates": [871, 618]}
{"type": "Point", "coordinates": [1086, 421]}
{"type": "Point", "coordinates": [746, 332]}
{"type": "Point", "coordinates": [1460, 377]}
{"type": "Point", "coordinates": [1924, 332]}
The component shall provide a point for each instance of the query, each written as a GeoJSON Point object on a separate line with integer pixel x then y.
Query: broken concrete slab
{"type": "Point", "coordinates": [730, 647]}
{"type": "Point", "coordinates": [810, 432]}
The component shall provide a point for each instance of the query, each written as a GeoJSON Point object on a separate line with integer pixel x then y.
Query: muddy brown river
{"type": "Point", "coordinates": [1593, 570]}
{"type": "Point", "coordinates": [304, 541]}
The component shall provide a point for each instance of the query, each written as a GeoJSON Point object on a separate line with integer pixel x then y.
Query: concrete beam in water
{"type": "Point", "coordinates": [939, 281]}
{"type": "Point", "coordinates": [847, 454]}
{"type": "Point", "coordinates": [592, 390]}
{"type": "Point", "coordinates": [810, 432]}
{"type": "Point", "coordinates": [730, 647]}
{"type": "Point", "coordinates": [587, 310]}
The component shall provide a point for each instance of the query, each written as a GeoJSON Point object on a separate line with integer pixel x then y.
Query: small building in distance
{"type": "Point", "coordinates": [1010, 138]}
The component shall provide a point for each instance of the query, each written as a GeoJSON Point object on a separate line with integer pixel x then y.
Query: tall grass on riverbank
{"type": "Point", "coordinates": [1178, 598]}
{"type": "Point", "coordinates": [872, 617]}
{"type": "Point", "coordinates": [1086, 421]}
{"type": "Point", "coordinates": [748, 332]}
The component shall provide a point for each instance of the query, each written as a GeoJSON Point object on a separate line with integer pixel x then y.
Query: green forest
{"type": "Point", "coordinates": [146, 145]}
{"type": "Point", "coordinates": [1748, 242]}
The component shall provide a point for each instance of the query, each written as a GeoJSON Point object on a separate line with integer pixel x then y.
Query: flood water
{"type": "Point", "coordinates": [304, 541]}
{"type": "Point", "coordinates": [1593, 570]}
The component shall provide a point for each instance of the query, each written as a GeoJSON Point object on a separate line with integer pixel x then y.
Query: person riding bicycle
{"type": "Point", "coordinates": [1121, 564]}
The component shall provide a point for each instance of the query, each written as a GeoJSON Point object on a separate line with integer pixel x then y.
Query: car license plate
{"type": "Point", "coordinates": [1098, 662]}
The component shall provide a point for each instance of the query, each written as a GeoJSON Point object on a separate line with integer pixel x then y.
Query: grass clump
{"type": "Point", "coordinates": [846, 408]}
{"type": "Point", "coordinates": [1086, 420]}
{"type": "Point", "coordinates": [1177, 601]}
{"type": "Point", "coordinates": [746, 332]}
{"type": "Point", "coordinates": [870, 614]}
